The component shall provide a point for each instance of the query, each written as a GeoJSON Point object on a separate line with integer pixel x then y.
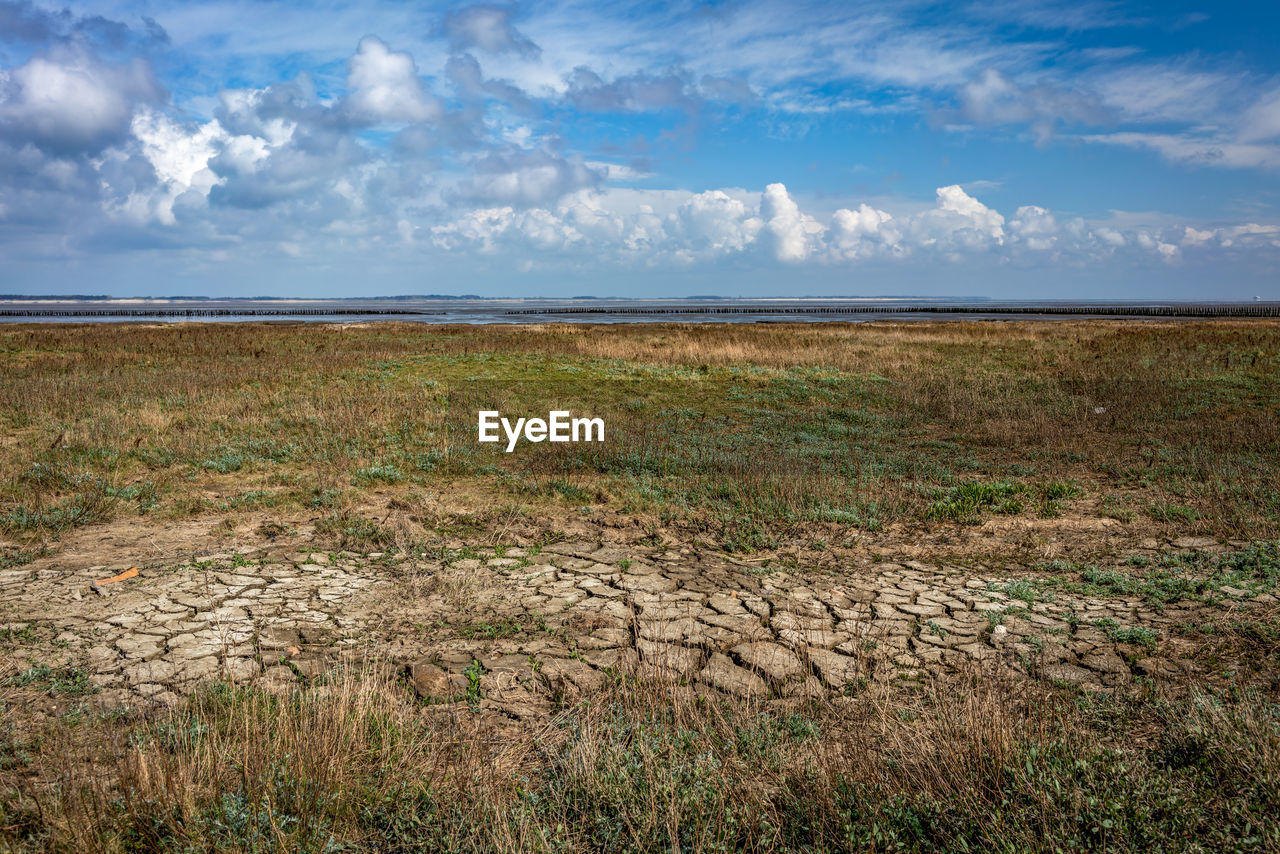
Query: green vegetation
{"type": "Point", "coordinates": [20, 557]}
{"type": "Point", "coordinates": [1028, 590]}
{"type": "Point", "coordinates": [1173, 577]}
{"type": "Point", "coordinates": [68, 681]}
{"type": "Point", "coordinates": [748, 435]}
{"type": "Point", "coordinates": [501, 628]}
{"type": "Point", "coordinates": [965, 502]}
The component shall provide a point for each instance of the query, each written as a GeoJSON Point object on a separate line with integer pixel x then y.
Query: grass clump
{"type": "Point", "coordinates": [350, 530]}
{"type": "Point", "coordinates": [499, 629]}
{"type": "Point", "coordinates": [94, 504]}
{"type": "Point", "coordinates": [377, 474]}
{"type": "Point", "coordinates": [67, 681]}
{"type": "Point", "coordinates": [1174, 513]}
{"type": "Point", "coordinates": [965, 502]}
{"type": "Point", "coordinates": [13, 558]}
{"type": "Point", "coordinates": [1027, 590]}
{"type": "Point", "coordinates": [1136, 635]}
{"type": "Point", "coordinates": [225, 462]}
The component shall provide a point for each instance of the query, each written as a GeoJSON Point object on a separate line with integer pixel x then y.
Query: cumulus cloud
{"type": "Point", "coordinates": [383, 86]}
{"type": "Point", "coordinates": [1035, 226]}
{"type": "Point", "coordinates": [1152, 242]}
{"type": "Point", "coordinates": [487, 28]}
{"type": "Point", "coordinates": [68, 102]}
{"type": "Point", "coordinates": [1227, 236]}
{"type": "Point", "coordinates": [792, 233]}
{"type": "Point", "coordinates": [527, 177]}
{"type": "Point", "coordinates": [487, 230]}
{"type": "Point", "coordinates": [283, 147]}
{"type": "Point", "coordinates": [180, 157]}
{"type": "Point", "coordinates": [669, 228]}
{"type": "Point", "coordinates": [958, 222]}
{"type": "Point", "coordinates": [272, 112]}
{"type": "Point", "coordinates": [714, 222]}
{"type": "Point", "coordinates": [863, 233]}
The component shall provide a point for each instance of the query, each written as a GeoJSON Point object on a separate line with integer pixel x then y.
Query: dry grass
{"type": "Point", "coordinates": [652, 766]}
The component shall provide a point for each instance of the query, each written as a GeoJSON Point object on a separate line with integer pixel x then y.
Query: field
{"type": "Point", "coordinates": [892, 586]}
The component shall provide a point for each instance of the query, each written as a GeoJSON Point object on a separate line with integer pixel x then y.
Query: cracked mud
{"type": "Point", "coordinates": [515, 631]}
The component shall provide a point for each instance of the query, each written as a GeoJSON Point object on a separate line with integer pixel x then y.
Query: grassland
{"type": "Point", "coordinates": [1071, 453]}
{"type": "Point", "coordinates": [745, 435]}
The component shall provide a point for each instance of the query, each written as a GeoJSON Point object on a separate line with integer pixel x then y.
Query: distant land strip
{"type": "Point", "coordinates": [202, 312]}
{"type": "Point", "coordinates": [1181, 310]}
{"type": "Point", "coordinates": [1202, 310]}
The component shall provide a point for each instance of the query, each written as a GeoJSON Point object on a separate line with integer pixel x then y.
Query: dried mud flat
{"type": "Point", "coordinates": [512, 633]}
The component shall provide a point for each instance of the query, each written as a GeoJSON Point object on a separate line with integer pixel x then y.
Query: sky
{"type": "Point", "coordinates": [1002, 148]}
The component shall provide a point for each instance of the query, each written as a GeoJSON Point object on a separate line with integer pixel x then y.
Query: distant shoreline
{"type": "Point", "coordinates": [609, 310]}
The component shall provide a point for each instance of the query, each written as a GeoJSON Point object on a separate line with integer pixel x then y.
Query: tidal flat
{"type": "Point", "coordinates": [923, 586]}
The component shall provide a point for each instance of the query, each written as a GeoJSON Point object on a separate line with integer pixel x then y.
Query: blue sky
{"type": "Point", "coordinates": [1008, 148]}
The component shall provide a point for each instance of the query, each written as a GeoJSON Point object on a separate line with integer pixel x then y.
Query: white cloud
{"type": "Point", "coordinates": [862, 233]}
{"type": "Point", "coordinates": [1244, 235]}
{"type": "Point", "coordinates": [1149, 241]}
{"type": "Point", "coordinates": [507, 166]}
{"type": "Point", "coordinates": [384, 87]}
{"type": "Point", "coordinates": [793, 233]}
{"type": "Point", "coordinates": [958, 222]}
{"type": "Point", "coordinates": [616, 171]}
{"type": "Point", "coordinates": [994, 98]}
{"type": "Point", "coordinates": [485, 230]}
{"type": "Point", "coordinates": [180, 157]}
{"type": "Point", "coordinates": [1151, 92]}
{"type": "Point", "coordinates": [954, 199]}
{"type": "Point", "coordinates": [714, 223]}
{"type": "Point", "coordinates": [1194, 148]}
{"type": "Point", "coordinates": [680, 228]}
{"type": "Point", "coordinates": [70, 102]}
{"type": "Point", "coordinates": [1111, 237]}
{"type": "Point", "coordinates": [1262, 120]}
{"type": "Point", "coordinates": [1197, 237]}
{"type": "Point", "coordinates": [487, 28]}
{"type": "Point", "coordinates": [527, 177]}
{"type": "Point", "coordinates": [1035, 226]}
